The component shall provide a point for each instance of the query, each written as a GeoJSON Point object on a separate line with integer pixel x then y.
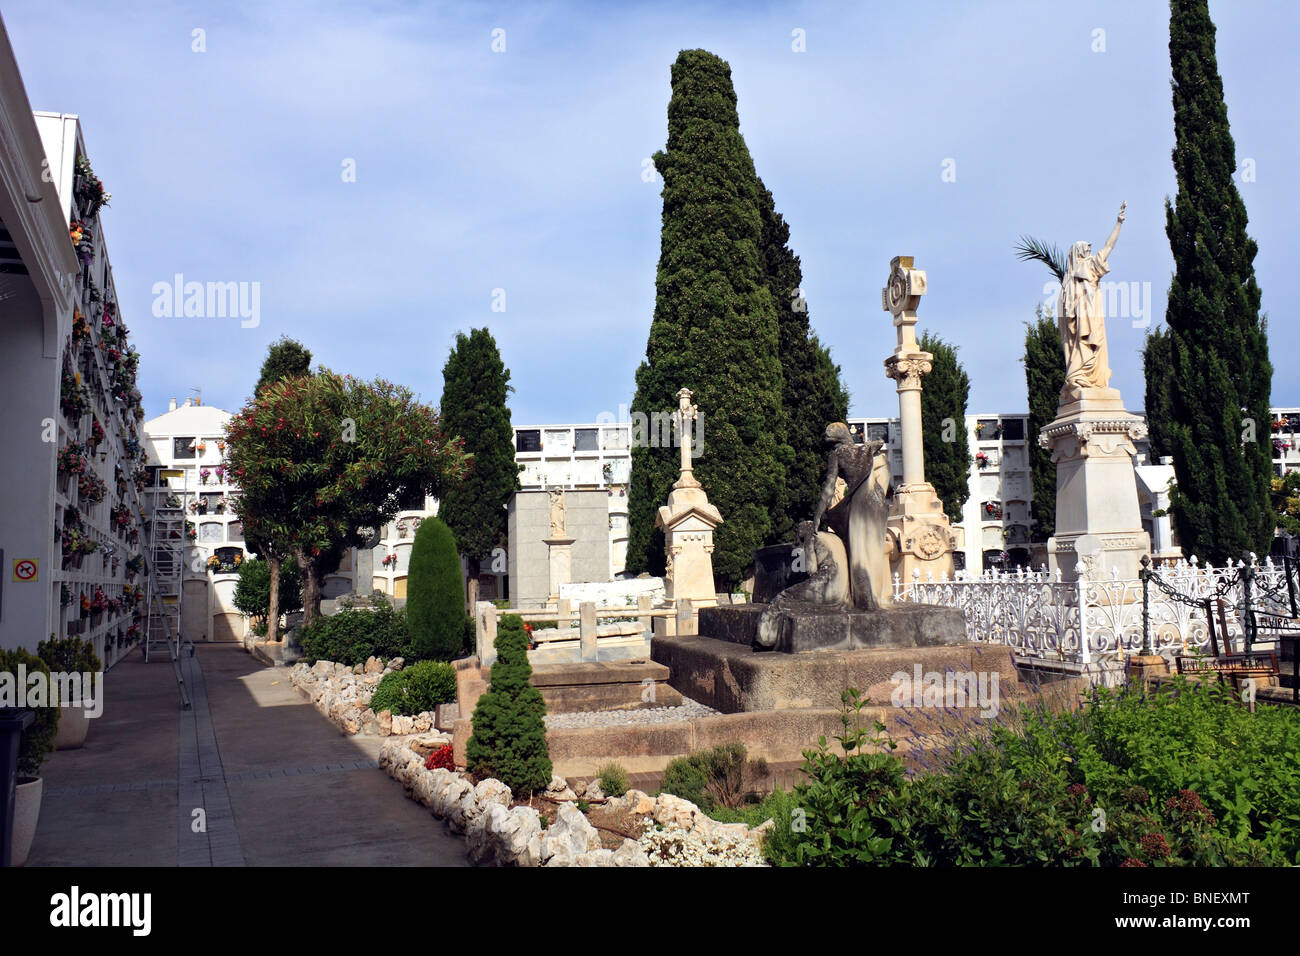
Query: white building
{"type": "Point", "coordinates": [588, 457]}
{"type": "Point", "coordinates": [68, 535]}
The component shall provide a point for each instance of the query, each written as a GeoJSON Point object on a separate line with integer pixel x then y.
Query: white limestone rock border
{"type": "Point", "coordinates": [677, 832]}
{"type": "Point", "coordinates": [343, 693]}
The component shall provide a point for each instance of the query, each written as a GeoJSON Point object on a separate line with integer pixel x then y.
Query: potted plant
{"type": "Point", "coordinates": [37, 741]}
{"type": "Point", "coordinates": [70, 655]}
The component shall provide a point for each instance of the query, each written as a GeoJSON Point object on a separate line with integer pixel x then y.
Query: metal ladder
{"type": "Point", "coordinates": [166, 570]}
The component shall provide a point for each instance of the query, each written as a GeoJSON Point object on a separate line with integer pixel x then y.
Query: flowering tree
{"type": "Point", "coordinates": [320, 457]}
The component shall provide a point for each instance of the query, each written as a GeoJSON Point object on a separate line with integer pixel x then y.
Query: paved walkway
{"type": "Point", "coordinates": [276, 782]}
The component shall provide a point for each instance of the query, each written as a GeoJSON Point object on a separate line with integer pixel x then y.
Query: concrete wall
{"type": "Point", "coordinates": [30, 382]}
{"type": "Point", "coordinates": [529, 525]}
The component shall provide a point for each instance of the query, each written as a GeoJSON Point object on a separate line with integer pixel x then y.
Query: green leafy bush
{"type": "Point", "coordinates": [435, 600]}
{"type": "Point", "coordinates": [38, 739]}
{"type": "Point", "coordinates": [1184, 776]}
{"type": "Point", "coordinates": [721, 776]}
{"type": "Point", "coordinates": [613, 779]}
{"type": "Point", "coordinates": [777, 806]}
{"type": "Point", "coordinates": [70, 655]}
{"type": "Point", "coordinates": [355, 634]}
{"type": "Point", "coordinates": [416, 689]}
{"type": "Point", "coordinates": [509, 740]}
{"type": "Point", "coordinates": [253, 589]}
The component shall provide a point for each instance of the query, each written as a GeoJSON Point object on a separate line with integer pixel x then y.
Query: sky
{"type": "Point", "coordinates": [383, 178]}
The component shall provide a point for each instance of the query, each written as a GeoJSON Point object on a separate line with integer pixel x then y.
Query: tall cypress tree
{"type": "Point", "coordinates": [1159, 414]}
{"type": "Point", "coordinates": [812, 393]}
{"type": "Point", "coordinates": [476, 384]}
{"type": "Point", "coordinates": [285, 358]}
{"type": "Point", "coordinates": [943, 423]}
{"type": "Point", "coordinates": [715, 329]}
{"type": "Point", "coordinates": [1220, 372]}
{"type": "Point", "coordinates": [1044, 378]}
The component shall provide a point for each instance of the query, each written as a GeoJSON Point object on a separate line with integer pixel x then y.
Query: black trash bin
{"type": "Point", "coordinates": [13, 721]}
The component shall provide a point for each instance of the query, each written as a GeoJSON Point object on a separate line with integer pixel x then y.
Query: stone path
{"type": "Point", "coordinates": [277, 783]}
{"type": "Point", "coordinates": [687, 710]}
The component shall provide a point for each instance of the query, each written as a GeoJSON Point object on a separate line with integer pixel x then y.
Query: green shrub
{"type": "Point", "coordinates": [685, 778]}
{"type": "Point", "coordinates": [355, 634]}
{"type": "Point", "coordinates": [613, 779]}
{"type": "Point", "coordinates": [721, 776]}
{"type": "Point", "coordinates": [389, 693]}
{"type": "Point", "coordinates": [253, 589]}
{"type": "Point", "coordinates": [509, 740]}
{"type": "Point", "coordinates": [38, 739]}
{"type": "Point", "coordinates": [1184, 776]}
{"type": "Point", "coordinates": [418, 688]}
{"type": "Point", "coordinates": [435, 600]}
{"type": "Point", "coordinates": [70, 655]}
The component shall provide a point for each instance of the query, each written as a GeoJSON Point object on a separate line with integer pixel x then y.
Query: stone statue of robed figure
{"type": "Point", "coordinates": [1080, 317]}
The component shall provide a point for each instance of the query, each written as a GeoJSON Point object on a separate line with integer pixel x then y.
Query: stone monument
{"type": "Point", "coordinates": [921, 537]}
{"type": "Point", "coordinates": [559, 547]}
{"type": "Point", "coordinates": [687, 522]}
{"type": "Point", "coordinates": [1091, 439]}
{"type": "Point", "coordinates": [845, 601]}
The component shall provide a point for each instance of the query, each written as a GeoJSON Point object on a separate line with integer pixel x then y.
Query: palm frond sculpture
{"type": "Point", "coordinates": [1030, 249]}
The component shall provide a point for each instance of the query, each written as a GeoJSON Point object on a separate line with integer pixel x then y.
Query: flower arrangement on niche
{"type": "Point", "coordinates": [389, 561]}
{"type": "Point", "coordinates": [90, 192]}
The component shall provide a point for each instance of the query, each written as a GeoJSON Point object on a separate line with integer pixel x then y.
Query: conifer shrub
{"type": "Point", "coordinates": [435, 602]}
{"type": "Point", "coordinates": [509, 740]}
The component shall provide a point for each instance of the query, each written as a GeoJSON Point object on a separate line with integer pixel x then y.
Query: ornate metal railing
{"type": "Point", "coordinates": [1094, 623]}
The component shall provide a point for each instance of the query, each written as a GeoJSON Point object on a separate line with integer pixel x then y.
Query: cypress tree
{"type": "Point", "coordinates": [435, 608]}
{"type": "Point", "coordinates": [812, 393]}
{"type": "Point", "coordinates": [1220, 375]}
{"type": "Point", "coordinates": [509, 740]}
{"type": "Point", "coordinates": [1155, 367]}
{"type": "Point", "coordinates": [285, 358]}
{"type": "Point", "coordinates": [715, 330]}
{"type": "Point", "coordinates": [943, 423]}
{"type": "Point", "coordinates": [1044, 378]}
{"type": "Point", "coordinates": [476, 384]}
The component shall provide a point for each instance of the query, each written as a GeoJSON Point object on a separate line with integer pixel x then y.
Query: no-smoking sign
{"type": "Point", "coordinates": [25, 569]}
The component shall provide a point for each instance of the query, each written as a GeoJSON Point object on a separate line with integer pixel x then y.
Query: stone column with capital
{"type": "Point", "coordinates": [921, 537]}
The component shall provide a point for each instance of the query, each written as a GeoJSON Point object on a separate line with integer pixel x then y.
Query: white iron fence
{"type": "Point", "coordinates": [1090, 625]}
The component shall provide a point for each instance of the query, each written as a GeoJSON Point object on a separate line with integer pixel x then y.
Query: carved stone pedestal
{"type": "Point", "coordinates": [921, 538]}
{"type": "Point", "coordinates": [1098, 521]}
{"type": "Point", "coordinates": [560, 555]}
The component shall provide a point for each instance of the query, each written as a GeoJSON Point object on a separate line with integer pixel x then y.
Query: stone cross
{"type": "Point", "coordinates": [900, 297]}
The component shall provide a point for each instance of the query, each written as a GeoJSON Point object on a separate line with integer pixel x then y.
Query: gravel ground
{"type": "Point", "coordinates": [688, 710]}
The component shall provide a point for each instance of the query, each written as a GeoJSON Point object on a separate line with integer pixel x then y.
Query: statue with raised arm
{"type": "Point", "coordinates": [1082, 323]}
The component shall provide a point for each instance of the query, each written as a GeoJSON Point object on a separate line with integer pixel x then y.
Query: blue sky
{"type": "Point", "coordinates": [522, 170]}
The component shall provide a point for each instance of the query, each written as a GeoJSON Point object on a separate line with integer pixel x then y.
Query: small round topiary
{"type": "Point", "coordinates": [38, 739]}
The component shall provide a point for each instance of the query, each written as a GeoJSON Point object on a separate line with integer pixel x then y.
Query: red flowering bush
{"type": "Point", "coordinates": [441, 759]}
